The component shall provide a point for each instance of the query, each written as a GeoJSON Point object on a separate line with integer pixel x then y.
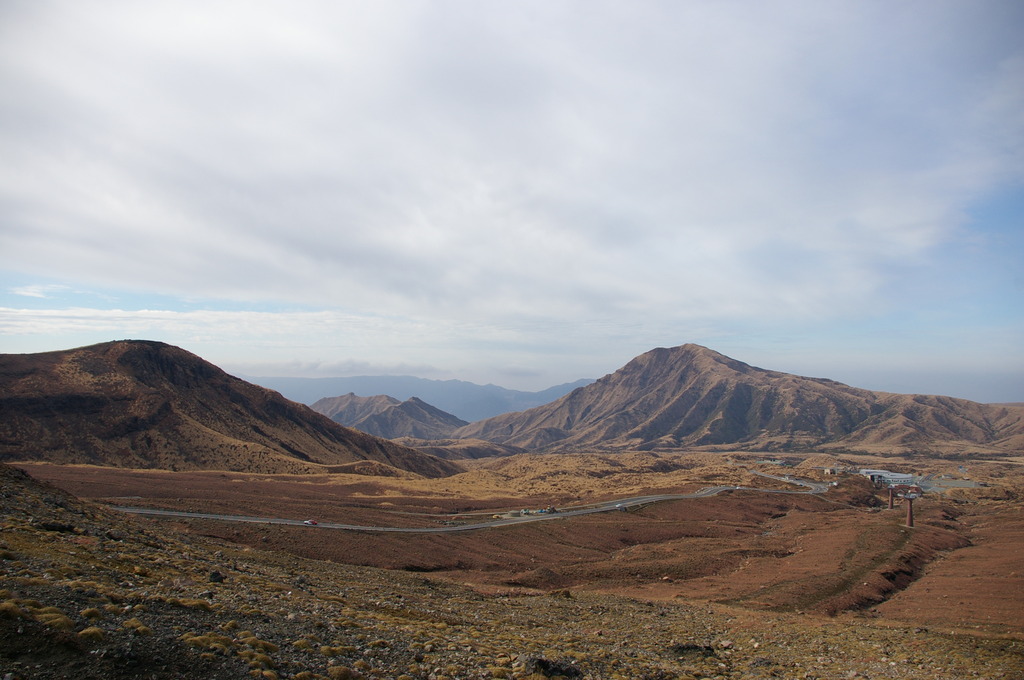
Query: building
{"type": "Point", "coordinates": [887, 478]}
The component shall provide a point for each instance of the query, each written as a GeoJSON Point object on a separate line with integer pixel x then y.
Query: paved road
{"type": "Point", "coordinates": [608, 506]}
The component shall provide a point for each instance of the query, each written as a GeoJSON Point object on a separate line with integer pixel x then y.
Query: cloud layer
{"type": "Point", "coordinates": [507, 168]}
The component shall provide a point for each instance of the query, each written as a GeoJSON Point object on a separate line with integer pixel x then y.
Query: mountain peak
{"type": "Point", "coordinates": [688, 355]}
{"type": "Point", "coordinates": [387, 417]}
{"type": "Point", "coordinates": [693, 396]}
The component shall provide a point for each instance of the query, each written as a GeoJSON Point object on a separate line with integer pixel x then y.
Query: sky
{"type": "Point", "coordinates": [521, 193]}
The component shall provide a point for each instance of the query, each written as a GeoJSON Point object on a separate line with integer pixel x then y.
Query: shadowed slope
{"type": "Point", "coordinates": [150, 405]}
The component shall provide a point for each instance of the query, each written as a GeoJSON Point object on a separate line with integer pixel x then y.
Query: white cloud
{"type": "Point", "coordinates": [661, 166]}
{"type": "Point", "coordinates": [38, 290]}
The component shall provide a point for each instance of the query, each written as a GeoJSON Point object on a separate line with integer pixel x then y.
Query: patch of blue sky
{"type": "Point", "coordinates": [976, 279]}
{"type": "Point", "coordinates": [18, 291]}
{"type": "Point", "coordinates": [996, 240]}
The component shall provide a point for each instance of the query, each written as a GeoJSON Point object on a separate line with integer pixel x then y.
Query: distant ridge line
{"type": "Point", "coordinates": [465, 400]}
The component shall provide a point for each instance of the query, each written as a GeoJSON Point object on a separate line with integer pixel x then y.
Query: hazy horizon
{"type": "Point", "coordinates": [522, 194]}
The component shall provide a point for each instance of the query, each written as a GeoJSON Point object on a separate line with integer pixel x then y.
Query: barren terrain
{"type": "Point", "coordinates": [843, 553]}
{"type": "Point", "coordinates": [743, 585]}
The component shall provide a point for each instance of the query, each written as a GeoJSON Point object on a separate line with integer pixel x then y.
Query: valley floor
{"type": "Point", "coordinates": [740, 586]}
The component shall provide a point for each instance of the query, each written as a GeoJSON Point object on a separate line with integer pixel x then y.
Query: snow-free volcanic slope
{"type": "Point", "coordinates": [151, 405]}
{"type": "Point", "coordinates": [693, 396]}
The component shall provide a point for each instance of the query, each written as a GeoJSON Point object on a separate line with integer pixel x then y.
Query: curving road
{"type": "Point", "coordinates": [607, 506]}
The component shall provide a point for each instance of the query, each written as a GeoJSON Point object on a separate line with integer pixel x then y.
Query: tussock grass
{"type": "Point", "coordinates": [258, 644]}
{"type": "Point", "coordinates": [11, 610]}
{"type": "Point", "coordinates": [58, 621]}
{"type": "Point", "coordinates": [193, 603]}
{"type": "Point", "coordinates": [136, 626]}
{"type": "Point", "coordinates": [256, 659]}
{"type": "Point", "coordinates": [211, 642]}
{"type": "Point", "coordinates": [92, 633]}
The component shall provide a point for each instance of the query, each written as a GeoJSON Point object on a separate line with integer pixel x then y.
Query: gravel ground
{"type": "Point", "coordinates": [86, 593]}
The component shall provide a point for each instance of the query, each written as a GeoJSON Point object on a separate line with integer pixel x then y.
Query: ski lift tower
{"type": "Point", "coordinates": [909, 494]}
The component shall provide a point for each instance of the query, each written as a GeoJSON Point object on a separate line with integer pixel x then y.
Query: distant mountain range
{"type": "Point", "coordinates": [465, 400]}
{"type": "Point", "coordinates": [151, 405]}
{"type": "Point", "coordinates": [691, 396]}
{"type": "Point", "coordinates": [148, 404]}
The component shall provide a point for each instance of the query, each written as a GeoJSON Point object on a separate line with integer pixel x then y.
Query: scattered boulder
{"type": "Point", "coordinates": [61, 527]}
{"type": "Point", "coordinates": [548, 668]}
{"type": "Point", "coordinates": [690, 649]}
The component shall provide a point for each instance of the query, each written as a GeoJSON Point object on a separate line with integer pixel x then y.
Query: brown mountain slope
{"type": "Point", "coordinates": [385, 416]}
{"type": "Point", "coordinates": [349, 409]}
{"type": "Point", "coordinates": [412, 418]}
{"type": "Point", "coordinates": [920, 421]}
{"type": "Point", "coordinates": [693, 396]}
{"type": "Point", "coordinates": [150, 405]}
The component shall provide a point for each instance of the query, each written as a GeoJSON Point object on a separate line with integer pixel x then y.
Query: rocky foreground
{"type": "Point", "coordinates": [87, 593]}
